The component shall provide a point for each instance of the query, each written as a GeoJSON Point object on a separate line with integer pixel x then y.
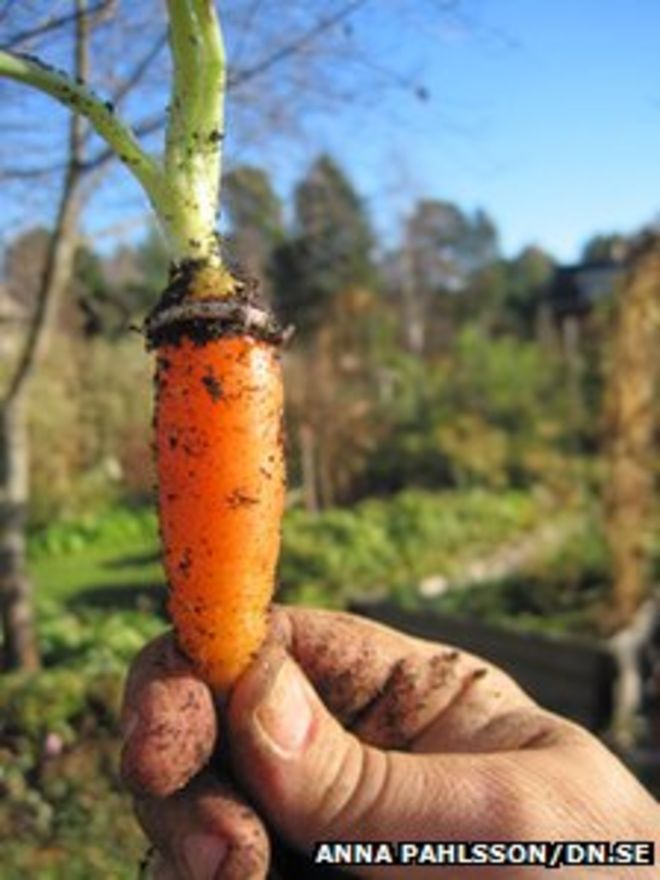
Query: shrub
{"type": "Point", "coordinates": [382, 545]}
{"type": "Point", "coordinates": [491, 412]}
{"type": "Point", "coordinates": [114, 527]}
{"type": "Point", "coordinates": [90, 443]}
{"type": "Point", "coordinates": [63, 812]}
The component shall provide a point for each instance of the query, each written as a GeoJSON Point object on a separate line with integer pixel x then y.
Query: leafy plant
{"type": "Point", "coordinates": [385, 544]}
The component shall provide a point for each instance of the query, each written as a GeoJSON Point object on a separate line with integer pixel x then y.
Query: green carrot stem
{"type": "Point", "coordinates": [184, 185]}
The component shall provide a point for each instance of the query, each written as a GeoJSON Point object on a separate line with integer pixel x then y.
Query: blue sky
{"type": "Point", "coordinates": [545, 113]}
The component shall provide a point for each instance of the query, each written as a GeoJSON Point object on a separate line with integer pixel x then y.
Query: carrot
{"type": "Point", "coordinates": [218, 383]}
{"type": "Point", "coordinates": [221, 490]}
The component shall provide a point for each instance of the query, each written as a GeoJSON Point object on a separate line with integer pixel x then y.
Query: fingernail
{"type": "Point", "coordinates": [284, 716]}
{"type": "Point", "coordinates": [203, 854]}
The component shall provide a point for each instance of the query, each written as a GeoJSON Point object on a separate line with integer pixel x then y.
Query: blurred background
{"type": "Point", "coordinates": [453, 203]}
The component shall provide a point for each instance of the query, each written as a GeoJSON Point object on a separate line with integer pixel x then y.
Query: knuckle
{"type": "Point", "coordinates": [354, 794]}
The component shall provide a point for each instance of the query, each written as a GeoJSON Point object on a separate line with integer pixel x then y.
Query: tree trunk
{"type": "Point", "coordinates": [414, 326]}
{"type": "Point", "coordinates": [20, 641]}
{"type": "Point", "coordinates": [630, 424]}
{"type": "Point", "coordinates": [20, 644]}
{"type": "Point", "coordinates": [307, 445]}
{"type": "Point", "coordinates": [572, 345]}
{"type": "Point", "coordinates": [326, 485]}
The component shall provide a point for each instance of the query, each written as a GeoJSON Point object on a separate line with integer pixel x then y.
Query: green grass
{"type": "Point", "coordinates": [90, 574]}
{"type": "Point", "coordinates": [81, 560]}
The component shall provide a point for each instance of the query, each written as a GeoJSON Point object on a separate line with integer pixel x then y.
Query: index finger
{"type": "Point", "coordinates": [389, 687]}
{"type": "Point", "coordinates": [168, 720]}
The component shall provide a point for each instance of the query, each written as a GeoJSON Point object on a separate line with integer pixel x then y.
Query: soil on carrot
{"type": "Point", "coordinates": [201, 329]}
{"type": "Point", "coordinates": [238, 499]}
{"type": "Point", "coordinates": [212, 384]}
{"type": "Point", "coordinates": [182, 281]}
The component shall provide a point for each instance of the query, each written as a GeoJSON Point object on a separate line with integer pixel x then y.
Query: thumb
{"type": "Point", "coordinates": [310, 776]}
{"type": "Point", "coordinates": [316, 781]}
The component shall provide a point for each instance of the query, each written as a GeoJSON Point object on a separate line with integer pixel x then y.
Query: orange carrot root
{"type": "Point", "coordinates": [221, 487]}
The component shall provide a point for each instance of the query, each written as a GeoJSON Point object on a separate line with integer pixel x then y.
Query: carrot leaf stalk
{"type": "Point", "coordinates": [183, 185]}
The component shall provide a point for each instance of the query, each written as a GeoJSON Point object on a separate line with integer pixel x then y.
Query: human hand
{"type": "Point", "coordinates": [346, 730]}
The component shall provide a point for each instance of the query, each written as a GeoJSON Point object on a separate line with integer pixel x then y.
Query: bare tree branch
{"type": "Point", "coordinates": [53, 24]}
{"type": "Point", "coordinates": [140, 68]}
{"type": "Point", "coordinates": [142, 129]}
{"type": "Point", "coordinates": [246, 26]}
{"type": "Point", "coordinates": [294, 46]}
{"type": "Point", "coordinates": [146, 127]}
{"type": "Point", "coordinates": [33, 172]}
{"type": "Point", "coordinates": [59, 258]}
{"type": "Point", "coordinates": [6, 10]}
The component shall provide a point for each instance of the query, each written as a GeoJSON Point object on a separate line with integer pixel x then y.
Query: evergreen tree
{"type": "Point", "coordinates": [331, 249]}
{"type": "Point", "coordinates": [529, 276]}
{"type": "Point", "coordinates": [445, 251]}
{"type": "Point", "coordinates": [607, 248]}
{"type": "Point", "coordinates": [256, 224]}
